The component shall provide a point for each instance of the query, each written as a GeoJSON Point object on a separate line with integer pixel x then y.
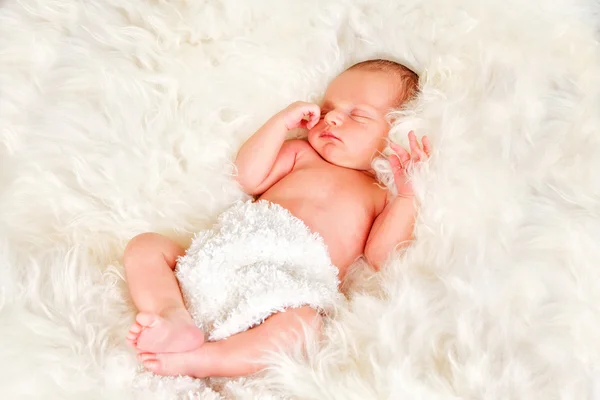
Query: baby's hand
{"type": "Point", "coordinates": [301, 115]}
{"type": "Point", "coordinates": [402, 159]}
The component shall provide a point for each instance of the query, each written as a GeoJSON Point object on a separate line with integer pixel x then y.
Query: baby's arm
{"type": "Point", "coordinates": [394, 226]}
{"type": "Point", "coordinates": [263, 159]}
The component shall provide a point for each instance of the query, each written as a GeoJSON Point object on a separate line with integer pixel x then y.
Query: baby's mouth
{"type": "Point", "coordinates": [328, 134]}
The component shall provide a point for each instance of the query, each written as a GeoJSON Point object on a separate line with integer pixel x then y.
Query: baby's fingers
{"type": "Point", "coordinates": [395, 163]}
{"type": "Point", "coordinates": [427, 146]}
{"type": "Point", "coordinates": [417, 153]}
{"type": "Point", "coordinates": [313, 118]}
{"type": "Point", "coordinates": [402, 155]}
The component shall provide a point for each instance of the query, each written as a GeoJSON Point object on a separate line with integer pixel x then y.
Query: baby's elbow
{"type": "Point", "coordinates": [247, 185]}
{"type": "Point", "coordinates": [374, 257]}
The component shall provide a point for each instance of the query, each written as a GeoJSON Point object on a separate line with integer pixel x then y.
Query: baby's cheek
{"type": "Point", "coordinates": [318, 126]}
{"type": "Point", "coordinates": [376, 137]}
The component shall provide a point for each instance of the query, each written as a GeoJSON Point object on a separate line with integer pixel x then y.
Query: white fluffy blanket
{"type": "Point", "coordinates": [118, 117]}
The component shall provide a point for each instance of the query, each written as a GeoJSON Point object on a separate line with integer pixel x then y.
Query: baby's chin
{"type": "Point", "coordinates": [327, 152]}
{"type": "Point", "coordinates": [336, 155]}
{"type": "Point", "coordinates": [340, 161]}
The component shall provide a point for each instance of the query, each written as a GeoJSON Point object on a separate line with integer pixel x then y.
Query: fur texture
{"type": "Point", "coordinates": [123, 117]}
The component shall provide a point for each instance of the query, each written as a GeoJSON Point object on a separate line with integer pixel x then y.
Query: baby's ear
{"type": "Point", "coordinates": [391, 118]}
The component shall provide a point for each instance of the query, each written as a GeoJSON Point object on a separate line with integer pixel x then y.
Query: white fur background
{"type": "Point", "coordinates": [118, 117]}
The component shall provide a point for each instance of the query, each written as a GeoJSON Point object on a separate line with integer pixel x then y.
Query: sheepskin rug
{"type": "Point", "coordinates": [119, 117]}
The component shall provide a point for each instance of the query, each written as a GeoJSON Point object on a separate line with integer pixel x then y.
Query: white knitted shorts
{"type": "Point", "coordinates": [256, 260]}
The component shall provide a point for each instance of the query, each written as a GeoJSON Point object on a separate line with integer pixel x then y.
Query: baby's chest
{"type": "Point", "coordinates": [326, 182]}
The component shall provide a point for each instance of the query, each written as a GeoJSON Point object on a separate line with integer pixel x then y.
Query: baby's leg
{"type": "Point", "coordinates": [163, 323]}
{"type": "Point", "coordinates": [240, 354]}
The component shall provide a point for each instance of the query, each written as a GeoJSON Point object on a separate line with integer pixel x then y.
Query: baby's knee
{"type": "Point", "coordinates": [141, 243]}
{"type": "Point", "coordinates": [140, 246]}
{"type": "Point", "coordinates": [150, 245]}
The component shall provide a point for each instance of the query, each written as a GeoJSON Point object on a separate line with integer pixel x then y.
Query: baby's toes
{"type": "Point", "coordinates": [131, 340]}
{"type": "Point", "coordinates": [152, 365]}
{"type": "Point", "coordinates": [149, 360]}
{"type": "Point", "coordinates": [145, 356]}
{"type": "Point", "coordinates": [133, 334]}
{"type": "Point", "coordinates": [135, 328]}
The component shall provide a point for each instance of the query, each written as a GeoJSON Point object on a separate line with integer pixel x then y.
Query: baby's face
{"type": "Point", "coordinates": [353, 124]}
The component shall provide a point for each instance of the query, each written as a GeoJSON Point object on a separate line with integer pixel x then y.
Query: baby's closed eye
{"type": "Point", "coordinates": [360, 116]}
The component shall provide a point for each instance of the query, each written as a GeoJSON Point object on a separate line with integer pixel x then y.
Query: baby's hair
{"type": "Point", "coordinates": [408, 79]}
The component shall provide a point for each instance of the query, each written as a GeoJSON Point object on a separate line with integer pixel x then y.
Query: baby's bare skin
{"type": "Point", "coordinates": [324, 195]}
{"type": "Point", "coordinates": [326, 181]}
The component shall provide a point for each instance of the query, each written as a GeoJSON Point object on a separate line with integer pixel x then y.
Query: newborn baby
{"type": "Point", "coordinates": [272, 265]}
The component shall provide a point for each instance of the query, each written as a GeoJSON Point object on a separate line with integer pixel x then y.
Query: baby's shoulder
{"type": "Point", "coordinates": [302, 149]}
{"type": "Point", "coordinates": [297, 144]}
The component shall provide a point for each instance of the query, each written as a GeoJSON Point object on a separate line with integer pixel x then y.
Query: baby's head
{"type": "Point", "coordinates": [354, 125]}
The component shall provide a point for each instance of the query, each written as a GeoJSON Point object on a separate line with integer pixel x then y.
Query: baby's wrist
{"type": "Point", "coordinates": [404, 195]}
{"type": "Point", "coordinates": [281, 120]}
{"type": "Point", "coordinates": [278, 121]}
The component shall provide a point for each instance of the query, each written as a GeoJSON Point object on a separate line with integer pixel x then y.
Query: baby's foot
{"type": "Point", "coordinates": [195, 363]}
{"type": "Point", "coordinates": [171, 333]}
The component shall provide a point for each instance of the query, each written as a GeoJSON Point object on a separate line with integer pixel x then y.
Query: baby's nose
{"type": "Point", "coordinates": [334, 118]}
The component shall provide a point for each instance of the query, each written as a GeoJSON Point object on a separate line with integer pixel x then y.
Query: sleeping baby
{"type": "Point", "coordinates": [271, 266]}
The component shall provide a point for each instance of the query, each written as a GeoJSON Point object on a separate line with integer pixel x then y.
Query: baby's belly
{"type": "Point", "coordinates": [344, 227]}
